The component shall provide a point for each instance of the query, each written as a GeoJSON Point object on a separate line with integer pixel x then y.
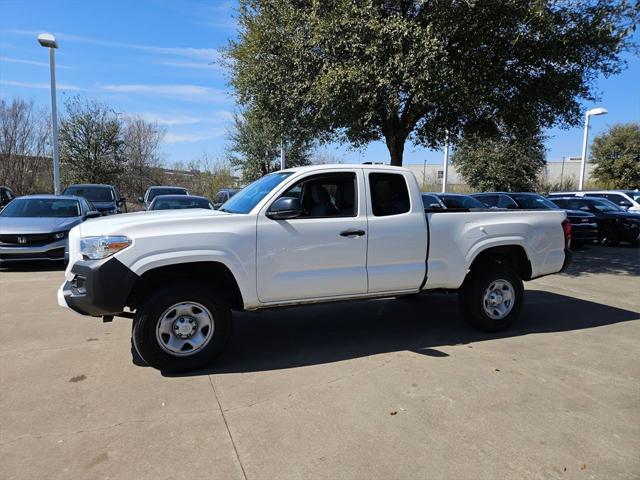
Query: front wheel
{"type": "Point", "coordinates": [610, 238]}
{"type": "Point", "coordinates": [181, 328]}
{"type": "Point", "coordinates": [492, 297]}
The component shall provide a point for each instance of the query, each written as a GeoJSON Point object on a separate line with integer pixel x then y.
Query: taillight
{"type": "Point", "coordinates": [566, 228]}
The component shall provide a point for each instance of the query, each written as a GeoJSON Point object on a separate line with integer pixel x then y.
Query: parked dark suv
{"type": "Point", "coordinates": [105, 198]}
{"type": "Point", "coordinates": [615, 224]}
{"type": "Point", "coordinates": [153, 192]}
{"type": "Point", "coordinates": [450, 201]}
{"type": "Point", "coordinates": [583, 224]}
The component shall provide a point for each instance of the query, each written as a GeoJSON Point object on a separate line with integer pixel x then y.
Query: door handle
{"type": "Point", "coordinates": [352, 233]}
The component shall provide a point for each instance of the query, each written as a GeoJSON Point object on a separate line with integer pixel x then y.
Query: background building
{"type": "Point", "coordinates": [560, 174]}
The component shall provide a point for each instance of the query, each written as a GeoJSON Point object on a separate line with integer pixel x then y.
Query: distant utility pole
{"type": "Point", "coordinates": [445, 170]}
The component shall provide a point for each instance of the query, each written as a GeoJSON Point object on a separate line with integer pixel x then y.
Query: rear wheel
{"type": "Point", "coordinates": [181, 328]}
{"type": "Point", "coordinates": [610, 238]}
{"type": "Point", "coordinates": [492, 297]}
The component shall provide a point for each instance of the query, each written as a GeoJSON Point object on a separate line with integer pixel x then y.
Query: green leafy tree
{"type": "Point", "coordinates": [511, 164]}
{"type": "Point", "coordinates": [91, 142]}
{"type": "Point", "coordinates": [255, 146]}
{"type": "Point", "coordinates": [616, 154]}
{"type": "Point", "coordinates": [410, 70]}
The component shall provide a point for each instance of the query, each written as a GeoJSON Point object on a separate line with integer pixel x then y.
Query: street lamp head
{"type": "Point", "coordinates": [47, 40]}
{"type": "Point", "coordinates": [596, 111]}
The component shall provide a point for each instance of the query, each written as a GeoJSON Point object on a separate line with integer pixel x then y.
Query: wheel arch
{"type": "Point", "coordinates": [514, 256]}
{"type": "Point", "coordinates": [212, 274]}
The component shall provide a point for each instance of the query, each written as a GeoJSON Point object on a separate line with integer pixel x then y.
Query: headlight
{"type": "Point", "coordinates": [60, 235]}
{"type": "Point", "coordinates": [95, 248]}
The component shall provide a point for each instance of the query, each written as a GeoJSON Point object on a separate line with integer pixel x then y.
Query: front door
{"type": "Point", "coordinates": [321, 253]}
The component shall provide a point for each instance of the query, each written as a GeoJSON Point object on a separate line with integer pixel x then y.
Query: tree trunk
{"type": "Point", "coordinates": [395, 144]}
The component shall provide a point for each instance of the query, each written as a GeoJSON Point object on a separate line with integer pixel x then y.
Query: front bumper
{"type": "Point", "coordinates": [54, 251]}
{"type": "Point", "coordinates": [98, 287]}
{"type": "Point", "coordinates": [584, 232]}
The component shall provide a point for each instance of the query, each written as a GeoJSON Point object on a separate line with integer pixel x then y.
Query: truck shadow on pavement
{"type": "Point", "coordinates": [320, 334]}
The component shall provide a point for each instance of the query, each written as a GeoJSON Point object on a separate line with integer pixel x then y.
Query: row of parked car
{"type": "Point", "coordinates": [594, 216]}
{"type": "Point", "coordinates": [36, 227]}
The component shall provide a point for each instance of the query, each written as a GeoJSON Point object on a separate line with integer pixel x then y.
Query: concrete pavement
{"type": "Point", "coordinates": [381, 389]}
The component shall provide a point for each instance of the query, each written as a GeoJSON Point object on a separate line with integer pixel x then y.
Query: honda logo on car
{"type": "Point", "coordinates": [22, 240]}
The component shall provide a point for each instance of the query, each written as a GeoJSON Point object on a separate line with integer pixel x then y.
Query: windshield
{"type": "Point", "coordinates": [534, 202]}
{"type": "Point", "coordinates": [460, 201]}
{"type": "Point", "coordinates": [154, 192]}
{"type": "Point", "coordinates": [634, 194]}
{"type": "Point", "coordinates": [604, 205]}
{"type": "Point", "coordinates": [174, 203]}
{"type": "Point", "coordinates": [93, 194]}
{"type": "Point", "coordinates": [42, 207]}
{"type": "Point", "coordinates": [249, 197]}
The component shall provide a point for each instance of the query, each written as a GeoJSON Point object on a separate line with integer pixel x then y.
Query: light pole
{"type": "Point", "coordinates": [49, 41]}
{"type": "Point", "coordinates": [445, 169]}
{"type": "Point", "coordinates": [282, 156]}
{"type": "Point", "coordinates": [583, 164]}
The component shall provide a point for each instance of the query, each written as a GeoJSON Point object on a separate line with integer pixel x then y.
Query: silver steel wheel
{"type": "Point", "coordinates": [498, 299]}
{"type": "Point", "coordinates": [184, 329]}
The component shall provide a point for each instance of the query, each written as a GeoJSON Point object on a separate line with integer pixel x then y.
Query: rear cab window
{"type": "Point", "coordinates": [389, 194]}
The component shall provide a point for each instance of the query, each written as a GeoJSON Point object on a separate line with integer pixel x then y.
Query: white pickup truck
{"type": "Point", "coordinates": [302, 235]}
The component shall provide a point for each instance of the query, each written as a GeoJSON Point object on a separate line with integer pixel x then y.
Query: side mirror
{"type": "Point", "coordinates": [140, 199]}
{"type": "Point", "coordinates": [93, 214]}
{"type": "Point", "coordinates": [625, 203]}
{"type": "Point", "coordinates": [284, 208]}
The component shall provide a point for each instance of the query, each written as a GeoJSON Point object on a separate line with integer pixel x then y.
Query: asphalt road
{"type": "Point", "coordinates": [384, 389]}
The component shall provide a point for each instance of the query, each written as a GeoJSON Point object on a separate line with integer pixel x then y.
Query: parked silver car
{"type": "Point", "coordinates": [36, 227]}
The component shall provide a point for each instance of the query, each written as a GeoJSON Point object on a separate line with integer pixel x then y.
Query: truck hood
{"type": "Point", "coordinates": [163, 219]}
{"type": "Point", "coordinates": [28, 225]}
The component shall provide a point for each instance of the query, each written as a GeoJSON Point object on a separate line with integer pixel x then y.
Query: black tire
{"type": "Point", "coordinates": [146, 340]}
{"type": "Point", "coordinates": [472, 301]}
{"type": "Point", "coordinates": [136, 358]}
{"type": "Point", "coordinates": [610, 238]}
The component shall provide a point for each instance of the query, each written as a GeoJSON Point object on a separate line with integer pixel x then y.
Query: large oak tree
{"type": "Point", "coordinates": [416, 70]}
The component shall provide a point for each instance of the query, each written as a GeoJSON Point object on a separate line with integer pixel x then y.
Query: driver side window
{"type": "Point", "coordinates": [326, 195]}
